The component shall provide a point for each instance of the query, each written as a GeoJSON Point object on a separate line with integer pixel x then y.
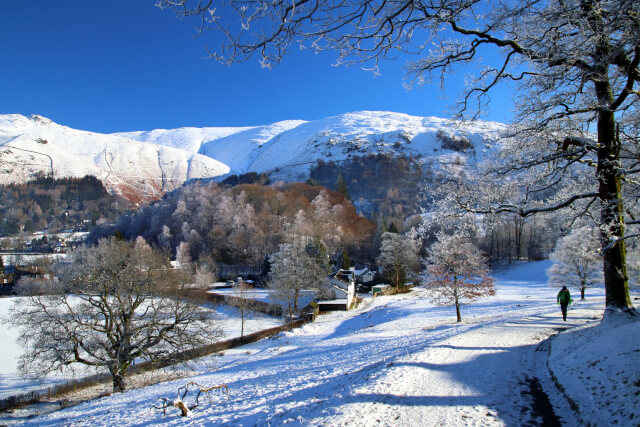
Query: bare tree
{"type": "Point", "coordinates": [242, 301]}
{"type": "Point", "coordinates": [27, 286]}
{"type": "Point", "coordinates": [575, 64]}
{"type": "Point", "coordinates": [577, 262]}
{"type": "Point", "coordinates": [457, 272]}
{"type": "Point", "coordinates": [114, 303]}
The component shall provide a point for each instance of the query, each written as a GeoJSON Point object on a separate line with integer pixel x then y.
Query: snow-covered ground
{"type": "Point", "coordinates": [11, 383]}
{"type": "Point", "coordinates": [402, 361]}
{"type": "Point", "coordinates": [266, 295]}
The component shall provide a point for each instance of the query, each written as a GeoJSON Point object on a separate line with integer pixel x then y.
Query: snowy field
{"type": "Point", "coordinates": [12, 383]}
{"type": "Point", "coordinates": [402, 361]}
{"type": "Point", "coordinates": [266, 295]}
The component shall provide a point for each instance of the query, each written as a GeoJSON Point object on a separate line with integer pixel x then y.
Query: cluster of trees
{"type": "Point", "coordinates": [395, 189]}
{"type": "Point", "coordinates": [298, 265]}
{"type": "Point", "coordinates": [246, 223]}
{"type": "Point", "coordinates": [576, 91]}
{"type": "Point", "coordinates": [56, 204]}
{"type": "Point", "coordinates": [504, 237]}
{"type": "Point", "coordinates": [377, 184]}
{"type": "Point", "coordinates": [399, 257]}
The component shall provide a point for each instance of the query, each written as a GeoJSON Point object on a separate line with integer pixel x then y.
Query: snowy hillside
{"type": "Point", "coordinates": [144, 165]}
{"type": "Point", "coordinates": [138, 171]}
{"type": "Point", "coordinates": [403, 361]}
{"type": "Point", "coordinates": [361, 133]}
{"type": "Point", "coordinates": [190, 139]}
{"type": "Point", "coordinates": [288, 148]}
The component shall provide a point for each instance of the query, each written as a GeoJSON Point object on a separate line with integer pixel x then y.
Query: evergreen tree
{"type": "Point", "coordinates": [317, 250]}
{"type": "Point", "coordinates": [341, 186]}
{"type": "Point", "coordinates": [345, 261]}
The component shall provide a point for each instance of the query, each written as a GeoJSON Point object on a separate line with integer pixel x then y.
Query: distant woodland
{"type": "Point", "coordinates": [246, 223]}
{"type": "Point", "coordinates": [377, 184]}
{"type": "Point", "coordinates": [57, 204]}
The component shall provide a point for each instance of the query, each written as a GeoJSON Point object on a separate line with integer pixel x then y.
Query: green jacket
{"type": "Point", "coordinates": [564, 297]}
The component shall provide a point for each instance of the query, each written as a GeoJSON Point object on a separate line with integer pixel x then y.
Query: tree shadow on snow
{"type": "Point", "coordinates": [503, 380]}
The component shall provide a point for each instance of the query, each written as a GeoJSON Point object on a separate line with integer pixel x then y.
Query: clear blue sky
{"type": "Point", "coordinates": [122, 65]}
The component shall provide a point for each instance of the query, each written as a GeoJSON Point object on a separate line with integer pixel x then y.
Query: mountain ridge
{"type": "Point", "coordinates": [142, 166]}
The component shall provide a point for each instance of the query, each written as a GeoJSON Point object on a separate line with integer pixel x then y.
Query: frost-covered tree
{"type": "Point", "coordinates": [324, 222]}
{"type": "Point", "coordinates": [113, 304]}
{"type": "Point", "coordinates": [203, 276]}
{"type": "Point", "coordinates": [28, 286]}
{"type": "Point", "coordinates": [243, 294]}
{"type": "Point", "coordinates": [457, 272]}
{"type": "Point", "coordinates": [183, 256]}
{"type": "Point", "coordinates": [165, 238]}
{"type": "Point", "coordinates": [398, 256]}
{"type": "Point", "coordinates": [574, 65]}
{"type": "Point", "coordinates": [294, 270]}
{"type": "Point", "coordinates": [577, 263]}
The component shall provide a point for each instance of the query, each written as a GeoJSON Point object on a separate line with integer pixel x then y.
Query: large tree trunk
{"type": "Point", "coordinates": [611, 211]}
{"type": "Point", "coordinates": [118, 382]}
{"type": "Point", "coordinates": [609, 184]}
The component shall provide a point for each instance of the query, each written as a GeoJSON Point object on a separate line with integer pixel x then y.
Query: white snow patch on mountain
{"type": "Point", "coordinates": [240, 150]}
{"type": "Point", "coordinates": [187, 138]}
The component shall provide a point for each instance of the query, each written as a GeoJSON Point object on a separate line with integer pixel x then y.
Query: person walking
{"type": "Point", "coordinates": [564, 299]}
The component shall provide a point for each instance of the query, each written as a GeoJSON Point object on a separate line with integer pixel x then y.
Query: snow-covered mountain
{"type": "Point", "coordinates": [143, 165]}
{"type": "Point", "coordinates": [287, 149]}
{"type": "Point", "coordinates": [139, 171]}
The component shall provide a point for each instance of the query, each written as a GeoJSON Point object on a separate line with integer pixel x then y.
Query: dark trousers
{"type": "Point", "coordinates": [564, 307]}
